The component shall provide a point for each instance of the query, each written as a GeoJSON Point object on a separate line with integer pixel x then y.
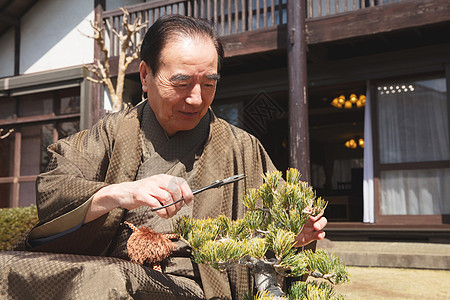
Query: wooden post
{"type": "Point", "coordinates": [97, 91]}
{"type": "Point", "coordinates": [298, 97]}
{"type": "Point", "coordinates": [17, 30]}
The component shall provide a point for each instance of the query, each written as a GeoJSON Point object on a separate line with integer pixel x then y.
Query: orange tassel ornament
{"type": "Point", "coordinates": [148, 246]}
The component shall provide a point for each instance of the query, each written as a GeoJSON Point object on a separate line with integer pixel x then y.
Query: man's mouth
{"type": "Point", "coordinates": [189, 114]}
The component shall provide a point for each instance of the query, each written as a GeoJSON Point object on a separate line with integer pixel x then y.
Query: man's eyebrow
{"type": "Point", "coordinates": [213, 76]}
{"type": "Point", "coordinates": [180, 77]}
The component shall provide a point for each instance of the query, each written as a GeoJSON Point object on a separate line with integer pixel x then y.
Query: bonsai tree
{"type": "Point", "coordinates": [264, 239]}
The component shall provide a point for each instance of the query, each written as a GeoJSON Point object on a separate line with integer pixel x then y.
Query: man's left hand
{"type": "Point", "coordinates": [312, 231]}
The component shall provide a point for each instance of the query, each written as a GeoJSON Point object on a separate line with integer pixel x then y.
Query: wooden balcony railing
{"type": "Point", "coordinates": [230, 16]}
{"type": "Point", "coordinates": [323, 8]}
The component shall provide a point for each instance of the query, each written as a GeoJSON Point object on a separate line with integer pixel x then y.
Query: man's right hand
{"type": "Point", "coordinates": [153, 192]}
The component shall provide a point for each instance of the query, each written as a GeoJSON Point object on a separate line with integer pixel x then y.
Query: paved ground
{"type": "Point", "coordinates": [393, 270]}
{"type": "Point", "coordinates": [395, 284]}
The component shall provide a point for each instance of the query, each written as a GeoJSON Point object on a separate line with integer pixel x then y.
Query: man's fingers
{"type": "Point", "coordinates": [179, 188]}
{"type": "Point", "coordinates": [155, 203]}
{"type": "Point", "coordinates": [318, 235]}
{"type": "Point", "coordinates": [320, 224]}
{"type": "Point", "coordinates": [186, 192]}
{"type": "Point", "coordinates": [321, 235]}
{"type": "Point", "coordinates": [164, 197]}
{"type": "Point", "coordinates": [169, 189]}
{"type": "Point", "coordinates": [306, 238]}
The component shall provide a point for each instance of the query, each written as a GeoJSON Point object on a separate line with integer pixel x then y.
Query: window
{"type": "Point", "coordinates": [38, 120]}
{"type": "Point", "coordinates": [413, 146]}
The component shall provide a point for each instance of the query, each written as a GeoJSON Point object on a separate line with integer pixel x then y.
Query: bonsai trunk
{"type": "Point", "coordinates": [264, 274]}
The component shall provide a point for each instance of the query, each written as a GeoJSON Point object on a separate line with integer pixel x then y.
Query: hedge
{"type": "Point", "coordinates": [15, 222]}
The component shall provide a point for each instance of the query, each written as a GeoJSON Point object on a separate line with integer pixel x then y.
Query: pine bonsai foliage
{"type": "Point", "coordinates": [264, 239]}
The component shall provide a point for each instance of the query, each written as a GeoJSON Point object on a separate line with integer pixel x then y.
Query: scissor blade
{"type": "Point", "coordinates": [219, 183]}
{"type": "Point", "coordinates": [232, 179]}
{"type": "Point", "coordinates": [216, 184]}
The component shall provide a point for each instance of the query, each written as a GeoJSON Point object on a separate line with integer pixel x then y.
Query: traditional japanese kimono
{"type": "Point", "coordinates": [90, 261]}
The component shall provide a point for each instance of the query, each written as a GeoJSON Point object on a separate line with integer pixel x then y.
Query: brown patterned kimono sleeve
{"type": "Point", "coordinates": [77, 170]}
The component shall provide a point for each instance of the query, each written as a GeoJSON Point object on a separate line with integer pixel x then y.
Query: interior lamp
{"type": "Point", "coordinates": [361, 143]}
{"type": "Point", "coordinates": [352, 101]}
{"type": "Point", "coordinates": [351, 143]}
{"type": "Point", "coordinates": [354, 143]}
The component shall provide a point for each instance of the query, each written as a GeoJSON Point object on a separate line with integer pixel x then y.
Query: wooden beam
{"type": "Point", "coordinates": [377, 19]}
{"type": "Point", "coordinates": [447, 80]}
{"type": "Point", "coordinates": [4, 18]}
{"type": "Point", "coordinates": [260, 40]}
{"type": "Point", "coordinates": [38, 119]}
{"type": "Point", "coordinates": [17, 50]}
{"type": "Point", "coordinates": [17, 156]}
{"type": "Point", "coordinates": [96, 110]}
{"type": "Point", "coordinates": [390, 64]}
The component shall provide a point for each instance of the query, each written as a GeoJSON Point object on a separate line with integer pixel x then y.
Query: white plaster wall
{"type": "Point", "coordinates": [7, 53]}
{"type": "Point", "coordinates": [51, 38]}
{"type": "Point", "coordinates": [113, 4]}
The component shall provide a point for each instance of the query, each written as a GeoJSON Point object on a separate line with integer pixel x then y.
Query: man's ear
{"type": "Point", "coordinates": [145, 72]}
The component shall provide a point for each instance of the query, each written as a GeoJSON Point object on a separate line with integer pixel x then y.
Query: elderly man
{"type": "Point", "coordinates": [136, 160]}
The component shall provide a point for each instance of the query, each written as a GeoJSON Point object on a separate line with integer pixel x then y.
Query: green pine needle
{"type": "Point", "coordinates": [238, 230]}
{"type": "Point", "coordinates": [294, 264]}
{"type": "Point", "coordinates": [290, 196]}
{"type": "Point", "coordinates": [281, 242]}
{"type": "Point", "coordinates": [220, 254]}
{"type": "Point", "coordinates": [224, 224]}
{"type": "Point", "coordinates": [326, 265]}
{"type": "Point", "coordinates": [268, 190]}
{"type": "Point", "coordinates": [197, 238]}
{"type": "Point", "coordinates": [273, 179]}
{"type": "Point", "coordinates": [312, 291]}
{"type": "Point", "coordinates": [183, 226]}
{"type": "Point", "coordinates": [250, 198]}
{"type": "Point", "coordinates": [319, 206]}
{"type": "Point", "coordinates": [256, 247]}
{"type": "Point", "coordinates": [293, 176]}
{"type": "Point", "coordinates": [254, 219]}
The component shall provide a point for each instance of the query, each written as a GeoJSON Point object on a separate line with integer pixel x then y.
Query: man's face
{"type": "Point", "coordinates": [184, 87]}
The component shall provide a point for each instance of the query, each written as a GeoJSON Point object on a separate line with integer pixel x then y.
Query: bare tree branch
{"type": "Point", "coordinates": [4, 136]}
{"type": "Point", "coordinates": [101, 69]}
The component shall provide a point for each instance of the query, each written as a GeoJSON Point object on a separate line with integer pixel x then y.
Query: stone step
{"type": "Point", "coordinates": [390, 254]}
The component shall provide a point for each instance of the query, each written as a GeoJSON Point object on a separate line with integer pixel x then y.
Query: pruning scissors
{"type": "Point", "coordinates": [215, 184]}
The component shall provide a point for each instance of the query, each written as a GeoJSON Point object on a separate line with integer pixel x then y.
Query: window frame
{"type": "Point", "coordinates": [17, 123]}
{"type": "Point", "coordinates": [423, 220]}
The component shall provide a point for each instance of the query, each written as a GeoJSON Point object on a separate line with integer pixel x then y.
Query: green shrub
{"type": "Point", "coordinates": [15, 222]}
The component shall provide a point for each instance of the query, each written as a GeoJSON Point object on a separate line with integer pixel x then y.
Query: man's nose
{"type": "Point", "coordinates": [195, 96]}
